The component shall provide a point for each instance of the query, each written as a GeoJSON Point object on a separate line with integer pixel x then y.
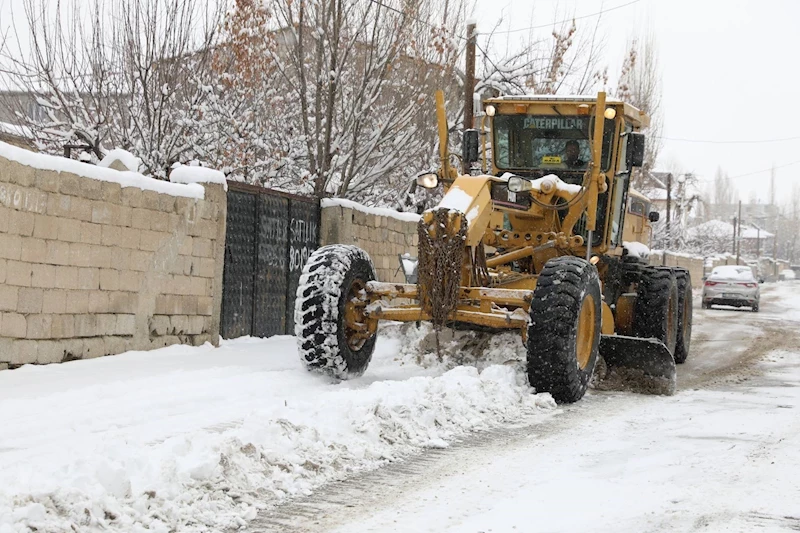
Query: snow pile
{"type": "Point", "coordinates": [125, 179]}
{"type": "Point", "coordinates": [637, 249]}
{"type": "Point", "coordinates": [554, 182]}
{"type": "Point", "coordinates": [473, 348]}
{"type": "Point", "coordinates": [198, 439]}
{"type": "Point", "coordinates": [380, 211]}
{"type": "Point", "coordinates": [130, 161]}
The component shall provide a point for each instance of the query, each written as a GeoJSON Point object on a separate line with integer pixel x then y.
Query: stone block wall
{"type": "Point", "coordinates": [693, 264]}
{"type": "Point", "coordinates": [698, 266]}
{"type": "Point", "coordinates": [382, 233]}
{"type": "Point", "coordinates": [91, 268]}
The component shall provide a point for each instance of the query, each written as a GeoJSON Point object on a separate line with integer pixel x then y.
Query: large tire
{"type": "Point", "coordinates": [331, 278]}
{"type": "Point", "coordinates": [564, 331]}
{"type": "Point", "coordinates": [655, 314]}
{"type": "Point", "coordinates": [684, 339]}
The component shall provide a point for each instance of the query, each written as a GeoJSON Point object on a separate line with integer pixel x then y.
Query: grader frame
{"type": "Point", "coordinates": [487, 306]}
{"type": "Point", "coordinates": [512, 238]}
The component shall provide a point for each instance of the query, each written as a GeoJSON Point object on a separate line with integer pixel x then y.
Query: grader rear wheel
{"type": "Point", "coordinates": [564, 331]}
{"type": "Point", "coordinates": [684, 282]}
{"type": "Point", "coordinates": [656, 311]}
{"type": "Point", "coordinates": [333, 334]}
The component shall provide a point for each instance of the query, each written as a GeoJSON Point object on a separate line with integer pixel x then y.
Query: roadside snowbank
{"type": "Point", "coordinates": [197, 439]}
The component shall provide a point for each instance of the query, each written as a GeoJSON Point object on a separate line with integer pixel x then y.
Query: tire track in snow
{"type": "Point", "coordinates": [343, 501]}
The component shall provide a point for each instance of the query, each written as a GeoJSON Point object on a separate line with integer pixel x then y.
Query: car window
{"type": "Point", "coordinates": [733, 272]}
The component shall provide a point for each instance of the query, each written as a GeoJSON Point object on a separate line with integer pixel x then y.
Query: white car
{"type": "Point", "coordinates": [787, 275]}
{"type": "Point", "coordinates": [731, 285]}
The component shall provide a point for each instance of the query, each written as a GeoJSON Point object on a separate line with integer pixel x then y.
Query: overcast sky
{"type": "Point", "coordinates": [729, 70]}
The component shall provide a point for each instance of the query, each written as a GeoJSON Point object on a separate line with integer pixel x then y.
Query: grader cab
{"type": "Point", "coordinates": [533, 243]}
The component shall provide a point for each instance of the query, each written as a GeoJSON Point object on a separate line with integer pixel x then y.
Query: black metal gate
{"type": "Point", "coordinates": [269, 237]}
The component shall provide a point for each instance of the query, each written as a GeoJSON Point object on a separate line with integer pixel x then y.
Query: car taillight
{"type": "Point", "coordinates": [710, 283]}
{"type": "Point", "coordinates": [749, 285]}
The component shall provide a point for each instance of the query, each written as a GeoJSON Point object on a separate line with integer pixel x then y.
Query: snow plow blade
{"type": "Point", "coordinates": [639, 365]}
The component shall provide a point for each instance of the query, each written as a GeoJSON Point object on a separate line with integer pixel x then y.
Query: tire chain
{"type": "Point", "coordinates": [441, 257]}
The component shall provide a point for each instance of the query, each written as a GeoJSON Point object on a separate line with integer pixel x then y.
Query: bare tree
{"type": "Point", "coordinates": [129, 74]}
{"type": "Point", "coordinates": [724, 192]}
{"type": "Point", "coordinates": [568, 60]}
{"type": "Point", "coordinates": [362, 75]}
{"type": "Point", "coordinates": [640, 85]}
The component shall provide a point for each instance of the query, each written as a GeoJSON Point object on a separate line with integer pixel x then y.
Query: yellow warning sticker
{"type": "Point", "coordinates": [551, 159]}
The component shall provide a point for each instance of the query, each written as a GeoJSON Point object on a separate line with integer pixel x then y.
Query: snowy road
{"type": "Point", "coordinates": [202, 439]}
{"type": "Point", "coordinates": [721, 455]}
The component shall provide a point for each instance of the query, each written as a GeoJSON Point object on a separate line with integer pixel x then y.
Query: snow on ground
{"type": "Point", "coordinates": [723, 459]}
{"type": "Point", "coordinates": [197, 439]}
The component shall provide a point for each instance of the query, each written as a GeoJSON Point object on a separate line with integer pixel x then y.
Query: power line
{"type": "Point", "coordinates": [562, 21]}
{"type": "Point", "coordinates": [770, 169]}
{"type": "Point", "coordinates": [486, 56]}
{"type": "Point", "coordinates": [730, 142]}
{"type": "Point", "coordinates": [765, 170]}
{"type": "Point", "coordinates": [433, 26]}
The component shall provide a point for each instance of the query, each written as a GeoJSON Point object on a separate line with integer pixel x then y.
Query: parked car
{"type": "Point", "coordinates": [731, 285]}
{"type": "Point", "coordinates": [787, 275]}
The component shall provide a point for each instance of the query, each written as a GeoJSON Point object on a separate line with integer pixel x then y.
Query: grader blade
{"type": "Point", "coordinates": [639, 365]}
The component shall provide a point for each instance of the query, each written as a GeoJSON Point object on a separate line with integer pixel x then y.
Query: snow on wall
{"type": "Point", "coordinates": [124, 179]}
{"type": "Point", "coordinates": [379, 211]}
{"type": "Point", "coordinates": [98, 262]}
{"type": "Point", "coordinates": [191, 174]}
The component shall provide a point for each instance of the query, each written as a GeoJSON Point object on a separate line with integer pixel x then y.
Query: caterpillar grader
{"type": "Point", "coordinates": [531, 242]}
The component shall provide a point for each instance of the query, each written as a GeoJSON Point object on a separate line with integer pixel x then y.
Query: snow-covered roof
{"type": "Point", "coordinates": [656, 194]}
{"type": "Point", "coordinates": [749, 232]}
{"type": "Point", "coordinates": [15, 129]}
{"type": "Point", "coordinates": [554, 98]}
{"type": "Point", "coordinates": [712, 227]}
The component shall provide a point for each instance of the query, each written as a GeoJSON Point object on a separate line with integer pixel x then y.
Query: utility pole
{"type": "Point", "coordinates": [739, 235]}
{"type": "Point", "coordinates": [775, 245]}
{"type": "Point", "coordinates": [758, 242]}
{"type": "Point", "coordinates": [734, 235]}
{"type": "Point", "coordinates": [772, 186]}
{"type": "Point", "coordinates": [669, 211]}
{"type": "Point", "coordinates": [469, 83]}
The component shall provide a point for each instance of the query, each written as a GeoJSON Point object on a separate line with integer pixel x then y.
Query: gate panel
{"type": "Point", "coordinates": [269, 316]}
{"type": "Point", "coordinates": [303, 240]}
{"type": "Point", "coordinates": [237, 279]}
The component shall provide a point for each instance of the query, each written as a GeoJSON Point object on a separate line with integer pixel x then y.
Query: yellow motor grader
{"type": "Point", "coordinates": [534, 243]}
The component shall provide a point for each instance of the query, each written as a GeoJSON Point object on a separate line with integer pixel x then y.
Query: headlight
{"type": "Point", "coordinates": [429, 180]}
{"type": "Point", "coordinates": [518, 184]}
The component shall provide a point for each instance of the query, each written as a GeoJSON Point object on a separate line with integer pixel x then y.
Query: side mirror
{"type": "Point", "coordinates": [653, 216]}
{"type": "Point", "coordinates": [469, 146]}
{"type": "Point", "coordinates": [635, 149]}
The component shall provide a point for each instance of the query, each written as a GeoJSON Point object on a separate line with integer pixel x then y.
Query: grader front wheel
{"type": "Point", "coordinates": [333, 334]}
{"type": "Point", "coordinates": [564, 331]}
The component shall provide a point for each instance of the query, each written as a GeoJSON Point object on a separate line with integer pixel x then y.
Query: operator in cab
{"type": "Point", "coordinates": [572, 154]}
